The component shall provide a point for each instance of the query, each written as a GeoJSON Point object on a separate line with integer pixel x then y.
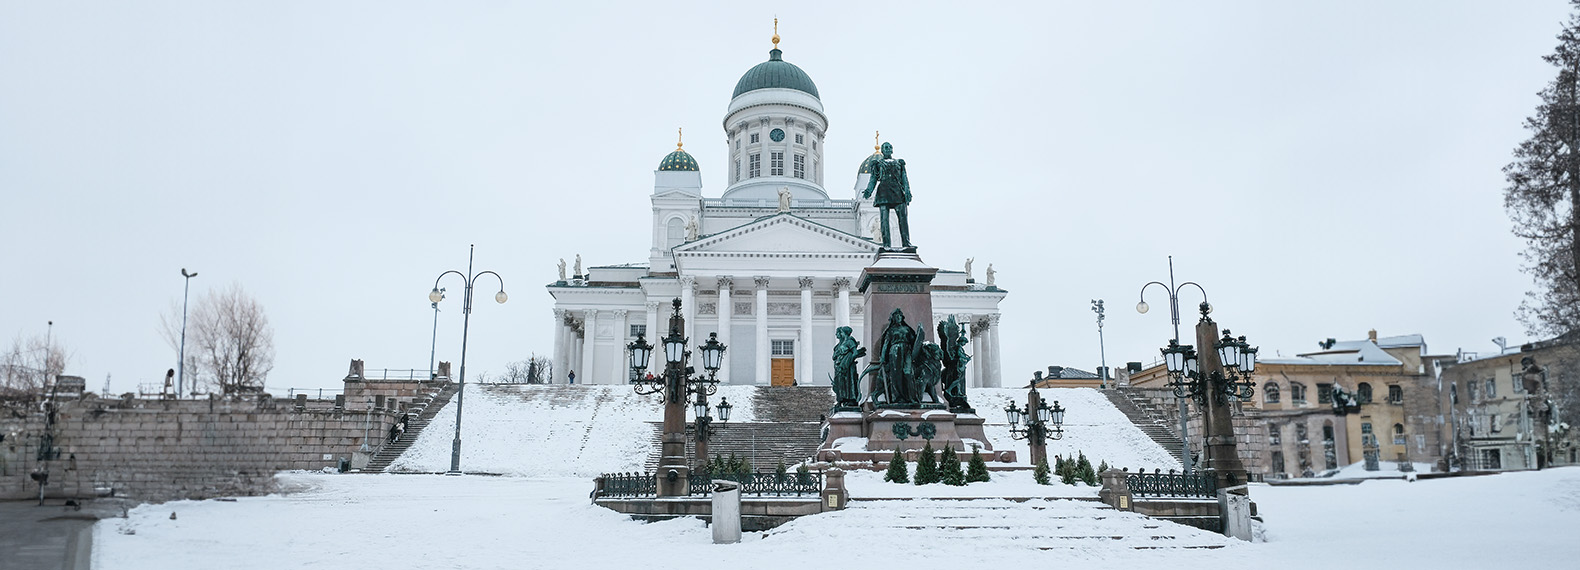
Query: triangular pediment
{"type": "Point", "coordinates": [779, 234]}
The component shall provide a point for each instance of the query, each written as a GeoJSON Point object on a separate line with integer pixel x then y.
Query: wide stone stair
{"type": "Point", "coordinates": [999, 525]}
{"type": "Point", "coordinates": [787, 428]}
{"type": "Point", "coordinates": [389, 453]}
{"type": "Point", "coordinates": [1153, 420]}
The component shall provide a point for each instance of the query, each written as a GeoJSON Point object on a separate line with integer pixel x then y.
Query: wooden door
{"type": "Point", "coordinates": [783, 372]}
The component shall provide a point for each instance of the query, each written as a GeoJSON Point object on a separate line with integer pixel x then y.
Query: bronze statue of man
{"type": "Point", "coordinates": [893, 191]}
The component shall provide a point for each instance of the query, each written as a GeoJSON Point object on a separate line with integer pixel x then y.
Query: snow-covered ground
{"type": "Point", "coordinates": [582, 431]}
{"type": "Point", "coordinates": [1511, 520]}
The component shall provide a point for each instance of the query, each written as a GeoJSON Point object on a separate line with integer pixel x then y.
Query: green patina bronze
{"type": "Point", "coordinates": [952, 342]}
{"type": "Point", "coordinates": [846, 381]}
{"type": "Point", "coordinates": [893, 192]}
{"type": "Point", "coordinates": [907, 369]}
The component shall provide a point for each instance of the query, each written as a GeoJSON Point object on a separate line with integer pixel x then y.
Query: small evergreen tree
{"type": "Point", "coordinates": [781, 471]}
{"type": "Point", "coordinates": [1067, 472]}
{"type": "Point", "coordinates": [949, 472]}
{"type": "Point", "coordinates": [927, 466]}
{"type": "Point", "coordinates": [977, 470]}
{"type": "Point", "coordinates": [1041, 473]}
{"type": "Point", "coordinates": [897, 473]}
{"type": "Point", "coordinates": [803, 475]}
{"type": "Point", "coordinates": [1084, 471]}
{"type": "Point", "coordinates": [1103, 467]}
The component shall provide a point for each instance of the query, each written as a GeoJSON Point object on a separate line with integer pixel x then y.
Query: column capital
{"type": "Point", "coordinates": [589, 313]}
{"type": "Point", "coordinates": [993, 319]}
{"type": "Point", "coordinates": [806, 282]}
{"type": "Point", "coordinates": [559, 313]}
{"type": "Point", "coordinates": [725, 282]}
{"type": "Point", "coordinates": [762, 281]}
{"type": "Point", "coordinates": [621, 313]}
{"type": "Point", "coordinates": [841, 283]}
{"type": "Point", "coordinates": [653, 306]}
{"type": "Point", "coordinates": [688, 281]}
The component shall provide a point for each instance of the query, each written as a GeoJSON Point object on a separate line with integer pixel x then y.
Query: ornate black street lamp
{"type": "Point", "coordinates": [1042, 424]}
{"type": "Point", "coordinates": [677, 384]}
{"type": "Point", "coordinates": [436, 296]}
{"type": "Point", "coordinates": [1174, 314]}
{"type": "Point", "coordinates": [1187, 381]}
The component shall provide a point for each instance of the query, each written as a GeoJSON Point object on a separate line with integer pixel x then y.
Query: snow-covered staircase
{"type": "Point", "coordinates": [1152, 420]}
{"type": "Point", "coordinates": [787, 428]}
{"type": "Point", "coordinates": [992, 525]}
{"type": "Point", "coordinates": [389, 453]}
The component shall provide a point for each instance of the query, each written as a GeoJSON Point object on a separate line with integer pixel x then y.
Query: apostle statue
{"type": "Point", "coordinates": [562, 269]}
{"type": "Point", "coordinates": [952, 341]}
{"type": "Point", "coordinates": [691, 229]}
{"type": "Point", "coordinates": [846, 382]}
{"type": "Point", "coordinates": [579, 265]}
{"type": "Point", "coordinates": [969, 261]}
{"type": "Point", "coordinates": [784, 199]}
{"type": "Point", "coordinates": [990, 274]}
{"type": "Point", "coordinates": [893, 191]}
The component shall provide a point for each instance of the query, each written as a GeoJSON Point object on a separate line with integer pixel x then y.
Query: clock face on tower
{"type": "Point", "coordinates": [777, 135]}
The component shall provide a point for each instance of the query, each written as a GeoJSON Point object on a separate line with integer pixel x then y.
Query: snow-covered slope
{"type": "Point", "coordinates": [581, 431]}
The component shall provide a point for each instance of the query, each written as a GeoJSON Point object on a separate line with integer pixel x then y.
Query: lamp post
{"type": "Point", "coordinates": [1214, 378]}
{"type": "Point", "coordinates": [1174, 313]}
{"type": "Point", "coordinates": [676, 384]}
{"type": "Point", "coordinates": [181, 366]}
{"type": "Point", "coordinates": [433, 348]}
{"type": "Point", "coordinates": [367, 418]}
{"type": "Point", "coordinates": [1102, 352]}
{"type": "Point", "coordinates": [1042, 424]}
{"type": "Point", "coordinates": [437, 295]}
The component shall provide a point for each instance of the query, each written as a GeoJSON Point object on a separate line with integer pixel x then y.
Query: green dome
{"type": "Point", "coordinates": [679, 160]}
{"type": "Point", "coordinates": [866, 165]}
{"type": "Point", "coordinates": [775, 73]}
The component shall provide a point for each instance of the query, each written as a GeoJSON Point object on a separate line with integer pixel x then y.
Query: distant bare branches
{"type": "Point", "coordinates": [229, 343]}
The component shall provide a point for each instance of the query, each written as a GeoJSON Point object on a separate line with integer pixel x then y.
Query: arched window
{"type": "Point", "coordinates": [1398, 434]}
{"type": "Point", "coordinates": [1270, 393]}
{"type": "Point", "coordinates": [677, 232]}
{"type": "Point", "coordinates": [1396, 395]}
{"type": "Point", "coordinates": [1363, 393]}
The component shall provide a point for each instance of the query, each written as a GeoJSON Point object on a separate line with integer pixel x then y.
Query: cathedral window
{"type": "Point", "coordinates": [800, 165]}
{"type": "Point", "coordinates": [799, 139]}
{"type": "Point", "coordinates": [737, 143]}
{"type": "Point", "coordinates": [776, 164]}
{"type": "Point", "coordinates": [783, 347]}
{"type": "Point", "coordinates": [676, 231]}
{"type": "Point", "coordinates": [638, 330]}
{"type": "Point", "coordinates": [737, 170]}
{"type": "Point", "coordinates": [754, 138]}
{"type": "Point", "coordinates": [756, 168]}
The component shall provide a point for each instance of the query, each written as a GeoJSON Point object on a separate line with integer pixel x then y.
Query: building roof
{"type": "Point", "coordinates": [678, 160]}
{"type": "Point", "coordinates": [776, 73]}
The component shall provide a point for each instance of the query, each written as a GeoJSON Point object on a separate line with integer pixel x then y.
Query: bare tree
{"type": "Point", "coordinates": [1543, 194]}
{"type": "Point", "coordinates": [230, 345]}
{"type": "Point", "coordinates": [29, 366]}
{"type": "Point", "coordinates": [533, 370]}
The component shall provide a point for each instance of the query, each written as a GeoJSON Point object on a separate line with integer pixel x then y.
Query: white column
{"type": "Point", "coordinates": [726, 313]}
{"type": "Point", "coordinates": [558, 366]}
{"type": "Point", "coordinates": [688, 304]}
{"type": "Point", "coordinates": [803, 349]}
{"type": "Point", "coordinates": [654, 336]}
{"type": "Point", "coordinates": [573, 355]}
{"type": "Point", "coordinates": [621, 371]}
{"type": "Point", "coordinates": [589, 347]}
{"type": "Point", "coordinates": [973, 374]}
{"type": "Point", "coordinates": [760, 310]}
{"type": "Point", "coordinates": [995, 378]}
{"type": "Point", "coordinates": [842, 304]}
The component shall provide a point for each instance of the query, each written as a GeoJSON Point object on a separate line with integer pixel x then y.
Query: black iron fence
{"type": "Point", "coordinates": [629, 485]}
{"type": "Point", "coordinates": [1200, 484]}
{"type": "Point", "coordinates": [700, 483]}
{"type": "Point", "coordinates": [762, 483]}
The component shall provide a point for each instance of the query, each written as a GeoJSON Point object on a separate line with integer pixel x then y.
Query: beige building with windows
{"type": "Point", "coordinates": [1495, 411]}
{"type": "Point", "coordinates": [1290, 429]}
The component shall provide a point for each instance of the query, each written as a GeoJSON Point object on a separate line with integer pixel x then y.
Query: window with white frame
{"type": "Point", "coordinates": [755, 165]}
{"type": "Point", "coordinates": [800, 139]}
{"type": "Point", "coordinates": [776, 163]}
{"type": "Point", "coordinates": [638, 330]}
{"type": "Point", "coordinates": [754, 138]}
{"type": "Point", "coordinates": [1297, 393]}
{"type": "Point", "coordinates": [800, 166]}
{"type": "Point", "coordinates": [782, 347]}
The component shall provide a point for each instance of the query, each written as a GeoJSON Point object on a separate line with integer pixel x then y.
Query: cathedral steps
{"type": "Point", "coordinates": [787, 428]}
{"type": "Point", "coordinates": [1153, 420]}
{"type": "Point", "coordinates": [1035, 524]}
{"type": "Point", "coordinates": [389, 453]}
{"type": "Point", "coordinates": [806, 404]}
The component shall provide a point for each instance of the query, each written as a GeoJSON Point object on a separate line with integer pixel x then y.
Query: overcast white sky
{"type": "Point", "coordinates": [1320, 169]}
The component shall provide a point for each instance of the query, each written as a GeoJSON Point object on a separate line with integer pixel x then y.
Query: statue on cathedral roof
{"type": "Point", "coordinates": [893, 191]}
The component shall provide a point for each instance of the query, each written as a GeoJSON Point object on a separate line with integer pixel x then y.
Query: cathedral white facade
{"type": "Point", "coordinates": [770, 265]}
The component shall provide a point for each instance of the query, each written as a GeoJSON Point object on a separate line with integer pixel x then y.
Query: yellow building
{"type": "Point", "coordinates": [1290, 428]}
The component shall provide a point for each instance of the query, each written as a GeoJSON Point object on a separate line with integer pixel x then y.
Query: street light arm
{"type": "Point", "coordinates": [1193, 284]}
{"type": "Point", "coordinates": [1158, 283]}
{"type": "Point", "coordinates": [436, 280]}
{"type": "Point", "coordinates": [496, 276]}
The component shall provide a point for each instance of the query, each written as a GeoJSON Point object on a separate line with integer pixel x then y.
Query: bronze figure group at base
{"type": "Point", "coordinates": [907, 371]}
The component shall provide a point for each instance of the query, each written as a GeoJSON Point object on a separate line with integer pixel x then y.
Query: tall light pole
{"type": "Point", "coordinates": [673, 476]}
{"type": "Point", "coordinates": [181, 367]}
{"type": "Point", "coordinates": [1174, 313]}
{"type": "Point", "coordinates": [434, 347]}
{"type": "Point", "coordinates": [1102, 352]}
{"type": "Point", "coordinates": [466, 322]}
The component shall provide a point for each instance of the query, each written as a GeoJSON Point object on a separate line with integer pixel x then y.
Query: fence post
{"type": "Point", "coordinates": [1116, 491]}
{"type": "Point", "coordinates": [834, 494]}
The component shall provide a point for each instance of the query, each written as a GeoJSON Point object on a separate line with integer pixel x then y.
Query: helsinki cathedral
{"type": "Point", "coordinates": [769, 265]}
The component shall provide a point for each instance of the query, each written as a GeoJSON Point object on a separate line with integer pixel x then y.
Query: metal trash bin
{"type": "Point", "coordinates": [726, 512]}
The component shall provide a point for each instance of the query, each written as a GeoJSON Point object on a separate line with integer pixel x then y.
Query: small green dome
{"type": "Point", "coordinates": [866, 165]}
{"type": "Point", "coordinates": [775, 73]}
{"type": "Point", "coordinates": [679, 160]}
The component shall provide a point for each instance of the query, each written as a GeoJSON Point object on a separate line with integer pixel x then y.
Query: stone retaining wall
{"type": "Point", "coordinates": [158, 450]}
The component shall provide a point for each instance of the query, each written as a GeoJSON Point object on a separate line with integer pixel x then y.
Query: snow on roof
{"type": "Point", "coordinates": [1361, 352]}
